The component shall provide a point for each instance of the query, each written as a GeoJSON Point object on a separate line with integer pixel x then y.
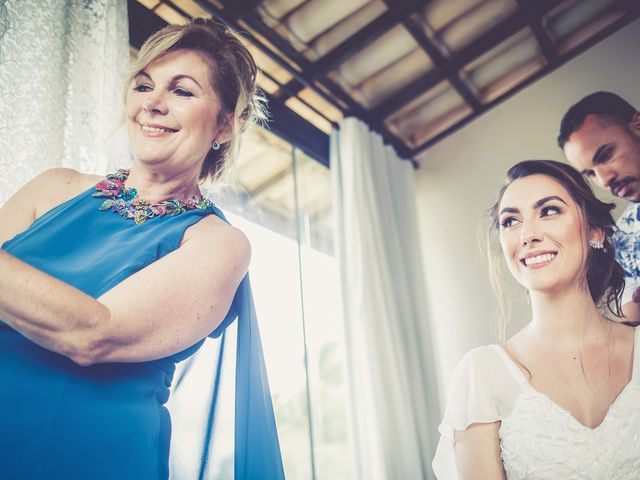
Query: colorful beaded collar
{"type": "Point", "coordinates": [123, 201]}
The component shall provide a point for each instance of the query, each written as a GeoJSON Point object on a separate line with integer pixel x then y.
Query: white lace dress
{"type": "Point", "coordinates": [539, 440]}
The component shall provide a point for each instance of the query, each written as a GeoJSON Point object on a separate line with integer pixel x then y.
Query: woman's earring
{"type": "Point", "coordinates": [215, 145]}
{"type": "Point", "coordinates": [596, 244]}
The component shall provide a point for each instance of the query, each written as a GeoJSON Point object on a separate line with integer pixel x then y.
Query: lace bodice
{"type": "Point", "coordinates": [539, 440]}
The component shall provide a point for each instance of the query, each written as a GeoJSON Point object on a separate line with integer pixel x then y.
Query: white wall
{"type": "Point", "coordinates": [460, 176]}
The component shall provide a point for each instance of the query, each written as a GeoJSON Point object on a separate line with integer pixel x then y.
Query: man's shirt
{"type": "Point", "coordinates": [627, 242]}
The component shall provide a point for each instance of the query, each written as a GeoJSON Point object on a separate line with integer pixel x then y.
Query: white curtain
{"type": "Point", "coordinates": [61, 70]}
{"type": "Point", "coordinates": [394, 398]}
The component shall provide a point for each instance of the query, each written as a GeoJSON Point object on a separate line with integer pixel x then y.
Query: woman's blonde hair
{"type": "Point", "coordinates": [233, 76]}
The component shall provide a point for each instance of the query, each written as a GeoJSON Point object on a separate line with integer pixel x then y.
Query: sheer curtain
{"type": "Point", "coordinates": [61, 68]}
{"type": "Point", "coordinates": [392, 380]}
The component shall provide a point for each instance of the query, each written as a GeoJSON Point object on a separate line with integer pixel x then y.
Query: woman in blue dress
{"type": "Point", "coordinates": [105, 283]}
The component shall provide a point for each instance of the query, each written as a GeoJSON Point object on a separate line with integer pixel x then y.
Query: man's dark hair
{"type": "Point", "coordinates": [604, 104]}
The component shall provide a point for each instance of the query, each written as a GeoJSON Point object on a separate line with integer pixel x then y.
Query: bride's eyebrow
{"type": "Point", "coordinates": [509, 210]}
{"type": "Point", "coordinates": [544, 200]}
{"type": "Point", "coordinates": [537, 204]}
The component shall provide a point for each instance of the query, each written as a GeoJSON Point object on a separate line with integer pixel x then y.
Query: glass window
{"type": "Point", "coordinates": [284, 208]}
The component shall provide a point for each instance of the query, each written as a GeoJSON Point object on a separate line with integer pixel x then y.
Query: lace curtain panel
{"type": "Point", "coordinates": [61, 71]}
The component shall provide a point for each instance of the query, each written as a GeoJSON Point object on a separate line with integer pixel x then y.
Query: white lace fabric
{"type": "Point", "coordinates": [539, 440]}
{"type": "Point", "coordinates": [61, 71]}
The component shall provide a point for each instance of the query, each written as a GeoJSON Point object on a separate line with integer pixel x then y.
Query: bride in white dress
{"type": "Point", "coordinates": [560, 399]}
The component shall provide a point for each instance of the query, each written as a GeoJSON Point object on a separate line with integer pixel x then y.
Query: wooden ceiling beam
{"type": "Point", "coordinates": [633, 13]}
{"type": "Point", "coordinates": [275, 56]}
{"type": "Point", "coordinates": [542, 35]}
{"type": "Point", "coordinates": [238, 9]}
{"type": "Point", "coordinates": [506, 28]}
{"type": "Point", "coordinates": [349, 47]}
{"type": "Point", "coordinates": [440, 62]}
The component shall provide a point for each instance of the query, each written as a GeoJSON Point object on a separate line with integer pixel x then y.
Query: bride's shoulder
{"type": "Point", "coordinates": [479, 359]}
{"type": "Point", "coordinates": [625, 338]}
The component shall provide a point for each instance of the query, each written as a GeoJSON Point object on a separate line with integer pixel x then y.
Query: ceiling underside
{"type": "Point", "coordinates": [414, 70]}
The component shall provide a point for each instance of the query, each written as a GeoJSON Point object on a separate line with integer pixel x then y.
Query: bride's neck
{"type": "Point", "coordinates": [564, 318]}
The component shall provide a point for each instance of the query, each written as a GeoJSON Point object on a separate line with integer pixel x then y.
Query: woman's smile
{"type": "Point", "coordinates": [153, 129]}
{"type": "Point", "coordinates": [535, 260]}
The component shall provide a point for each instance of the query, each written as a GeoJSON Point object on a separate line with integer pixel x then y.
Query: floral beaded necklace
{"type": "Point", "coordinates": [123, 201]}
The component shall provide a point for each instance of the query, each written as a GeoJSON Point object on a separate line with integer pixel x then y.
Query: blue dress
{"type": "Point", "coordinates": [61, 421]}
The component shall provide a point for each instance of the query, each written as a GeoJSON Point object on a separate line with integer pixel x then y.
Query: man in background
{"type": "Point", "coordinates": [600, 136]}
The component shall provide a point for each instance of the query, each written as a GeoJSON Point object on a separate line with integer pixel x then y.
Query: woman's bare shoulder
{"type": "Point", "coordinates": [518, 341]}
{"type": "Point", "coordinates": [625, 334]}
{"type": "Point", "coordinates": [68, 177]}
{"type": "Point", "coordinates": [57, 185]}
{"type": "Point", "coordinates": [213, 234]}
{"type": "Point", "coordinates": [44, 192]}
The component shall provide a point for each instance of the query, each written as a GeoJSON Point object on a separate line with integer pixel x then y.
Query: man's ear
{"type": "Point", "coordinates": [635, 123]}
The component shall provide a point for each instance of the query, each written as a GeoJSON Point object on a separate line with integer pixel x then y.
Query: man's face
{"type": "Point", "coordinates": [608, 154]}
